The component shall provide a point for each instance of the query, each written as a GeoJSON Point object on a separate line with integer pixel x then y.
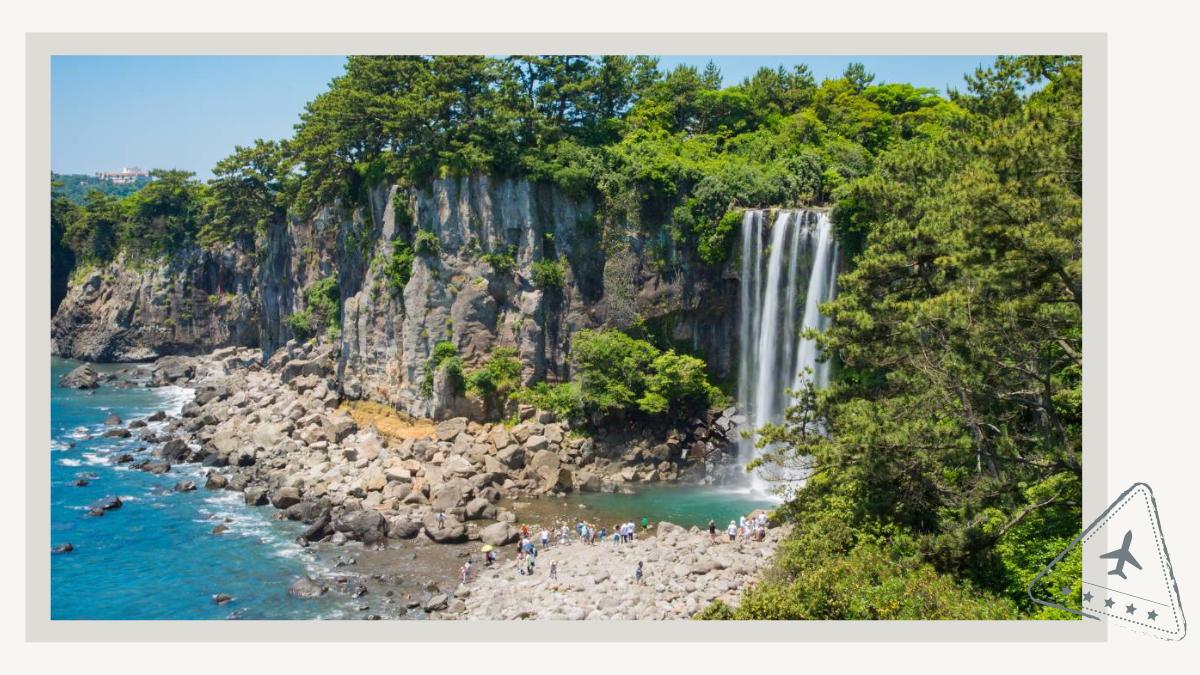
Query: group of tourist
{"type": "Point", "coordinates": [745, 528]}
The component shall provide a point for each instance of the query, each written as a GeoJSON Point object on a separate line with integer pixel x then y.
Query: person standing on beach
{"type": "Point", "coordinates": [637, 573]}
{"type": "Point", "coordinates": [712, 529]}
{"type": "Point", "coordinates": [545, 538]}
{"type": "Point", "coordinates": [645, 523]}
{"type": "Point", "coordinates": [554, 571]}
{"type": "Point", "coordinates": [441, 520]}
{"type": "Point", "coordinates": [732, 530]}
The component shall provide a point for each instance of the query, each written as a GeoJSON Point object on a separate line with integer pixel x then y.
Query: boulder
{"type": "Point", "coordinates": [317, 530]}
{"type": "Point", "coordinates": [113, 420]}
{"type": "Point", "coordinates": [285, 497]}
{"type": "Point", "coordinates": [536, 444]}
{"type": "Point", "coordinates": [174, 450]}
{"type": "Point", "coordinates": [171, 369]}
{"type": "Point", "coordinates": [451, 428]}
{"type": "Point", "coordinates": [215, 481]}
{"type": "Point", "coordinates": [545, 459]}
{"type": "Point", "coordinates": [436, 602]}
{"type": "Point", "coordinates": [448, 496]}
{"type": "Point", "coordinates": [83, 377]}
{"type": "Point", "coordinates": [366, 526]}
{"type": "Point", "coordinates": [457, 466]}
{"type": "Point", "coordinates": [304, 587]}
{"type": "Point", "coordinates": [499, 534]}
{"type": "Point", "coordinates": [451, 531]}
{"type": "Point", "coordinates": [403, 528]}
{"type": "Point", "coordinates": [107, 503]}
{"type": "Point", "coordinates": [512, 457]}
{"type": "Point", "coordinates": [480, 508]}
{"type": "Point", "coordinates": [157, 468]}
{"type": "Point", "coordinates": [63, 548]}
{"type": "Point", "coordinates": [118, 432]}
{"type": "Point", "coordinates": [185, 486]}
{"type": "Point", "coordinates": [255, 495]}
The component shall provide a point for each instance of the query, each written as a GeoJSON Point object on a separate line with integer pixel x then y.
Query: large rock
{"type": "Point", "coordinates": [451, 428]}
{"type": "Point", "coordinates": [83, 377]}
{"type": "Point", "coordinates": [457, 466]}
{"type": "Point", "coordinates": [448, 496]}
{"type": "Point", "coordinates": [480, 508]}
{"type": "Point", "coordinates": [512, 457]}
{"type": "Point", "coordinates": [320, 367]}
{"type": "Point", "coordinates": [545, 460]}
{"type": "Point", "coordinates": [174, 450]}
{"type": "Point", "coordinates": [305, 587]}
{"type": "Point", "coordinates": [172, 369]}
{"type": "Point", "coordinates": [255, 495]}
{"type": "Point", "coordinates": [499, 534]}
{"type": "Point", "coordinates": [450, 531]}
{"type": "Point", "coordinates": [285, 497]}
{"type": "Point", "coordinates": [403, 528]}
{"type": "Point", "coordinates": [365, 526]}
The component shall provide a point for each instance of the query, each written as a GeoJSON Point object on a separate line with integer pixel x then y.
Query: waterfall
{"type": "Point", "coordinates": [798, 249]}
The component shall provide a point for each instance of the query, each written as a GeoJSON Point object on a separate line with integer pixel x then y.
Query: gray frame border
{"type": "Point", "coordinates": [39, 47]}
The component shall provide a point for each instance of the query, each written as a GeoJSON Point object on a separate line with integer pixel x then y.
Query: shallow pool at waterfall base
{"type": "Point", "coordinates": [156, 556]}
{"type": "Point", "coordinates": [685, 505]}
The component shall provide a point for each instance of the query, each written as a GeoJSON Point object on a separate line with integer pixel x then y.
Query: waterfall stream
{"type": "Point", "coordinates": [792, 262]}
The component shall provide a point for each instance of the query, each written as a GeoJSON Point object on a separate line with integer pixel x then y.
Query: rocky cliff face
{"type": "Point", "coordinates": [198, 301]}
{"type": "Point", "coordinates": [476, 291]}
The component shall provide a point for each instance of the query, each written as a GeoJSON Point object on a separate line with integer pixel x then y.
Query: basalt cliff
{"type": "Point", "coordinates": [476, 288]}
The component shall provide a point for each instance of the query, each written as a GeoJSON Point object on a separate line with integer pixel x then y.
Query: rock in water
{"type": "Point", "coordinates": [222, 598]}
{"type": "Point", "coordinates": [304, 587]}
{"type": "Point", "coordinates": [185, 486]}
{"type": "Point", "coordinates": [63, 548]}
{"type": "Point", "coordinates": [83, 377]}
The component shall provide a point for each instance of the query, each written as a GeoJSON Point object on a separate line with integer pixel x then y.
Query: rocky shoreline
{"type": "Point", "coordinates": [279, 434]}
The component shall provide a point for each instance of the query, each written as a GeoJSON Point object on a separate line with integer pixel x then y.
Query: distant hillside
{"type": "Point", "coordinates": [76, 185]}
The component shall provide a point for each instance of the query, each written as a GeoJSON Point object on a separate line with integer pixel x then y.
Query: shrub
{"type": "Point", "coordinates": [548, 274]}
{"type": "Point", "coordinates": [563, 399]}
{"type": "Point", "coordinates": [503, 262]}
{"type": "Point", "coordinates": [398, 268]}
{"type": "Point", "coordinates": [444, 355]}
{"type": "Point", "coordinates": [716, 611]}
{"type": "Point", "coordinates": [426, 243]}
{"type": "Point", "coordinates": [617, 374]}
{"type": "Point", "coordinates": [499, 374]}
{"type": "Point", "coordinates": [301, 324]}
{"type": "Point", "coordinates": [323, 302]}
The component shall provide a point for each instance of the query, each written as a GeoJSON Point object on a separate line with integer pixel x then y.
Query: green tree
{"type": "Point", "coordinates": [164, 216]}
{"type": "Point", "coordinates": [245, 195]}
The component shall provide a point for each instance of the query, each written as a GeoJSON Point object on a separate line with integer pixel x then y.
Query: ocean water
{"type": "Point", "coordinates": [155, 557]}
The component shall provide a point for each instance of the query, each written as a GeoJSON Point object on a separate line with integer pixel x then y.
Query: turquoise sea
{"type": "Point", "coordinates": [156, 556]}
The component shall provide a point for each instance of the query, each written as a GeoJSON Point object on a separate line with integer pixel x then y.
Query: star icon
{"type": "Point", "coordinates": [1152, 615]}
{"type": "Point", "coordinates": [1130, 609]}
{"type": "Point", "coordinates": [1108, 602]}
{"type": "Point", "coordinates": [1087, 597]}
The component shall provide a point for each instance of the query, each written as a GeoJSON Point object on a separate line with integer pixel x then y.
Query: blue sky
{"type": "Point", "coordinates": [188, 112]}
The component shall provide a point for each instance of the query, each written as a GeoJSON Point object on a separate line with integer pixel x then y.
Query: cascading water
{"type": "Point", "coordinates": [798, 249]}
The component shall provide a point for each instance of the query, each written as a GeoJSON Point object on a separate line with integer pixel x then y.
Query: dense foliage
{"type": "Point", "coordinates": [667, 155]}
{"type": "Point", "coordinates": [616, 376]}
{"type": "Point", "coordinates": [952, 435]}
{"type": "Point", "coordinates": [322, 310]}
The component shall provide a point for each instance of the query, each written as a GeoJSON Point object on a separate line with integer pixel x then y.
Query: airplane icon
{"type": "Point", "coordinates": [1122, 556]}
